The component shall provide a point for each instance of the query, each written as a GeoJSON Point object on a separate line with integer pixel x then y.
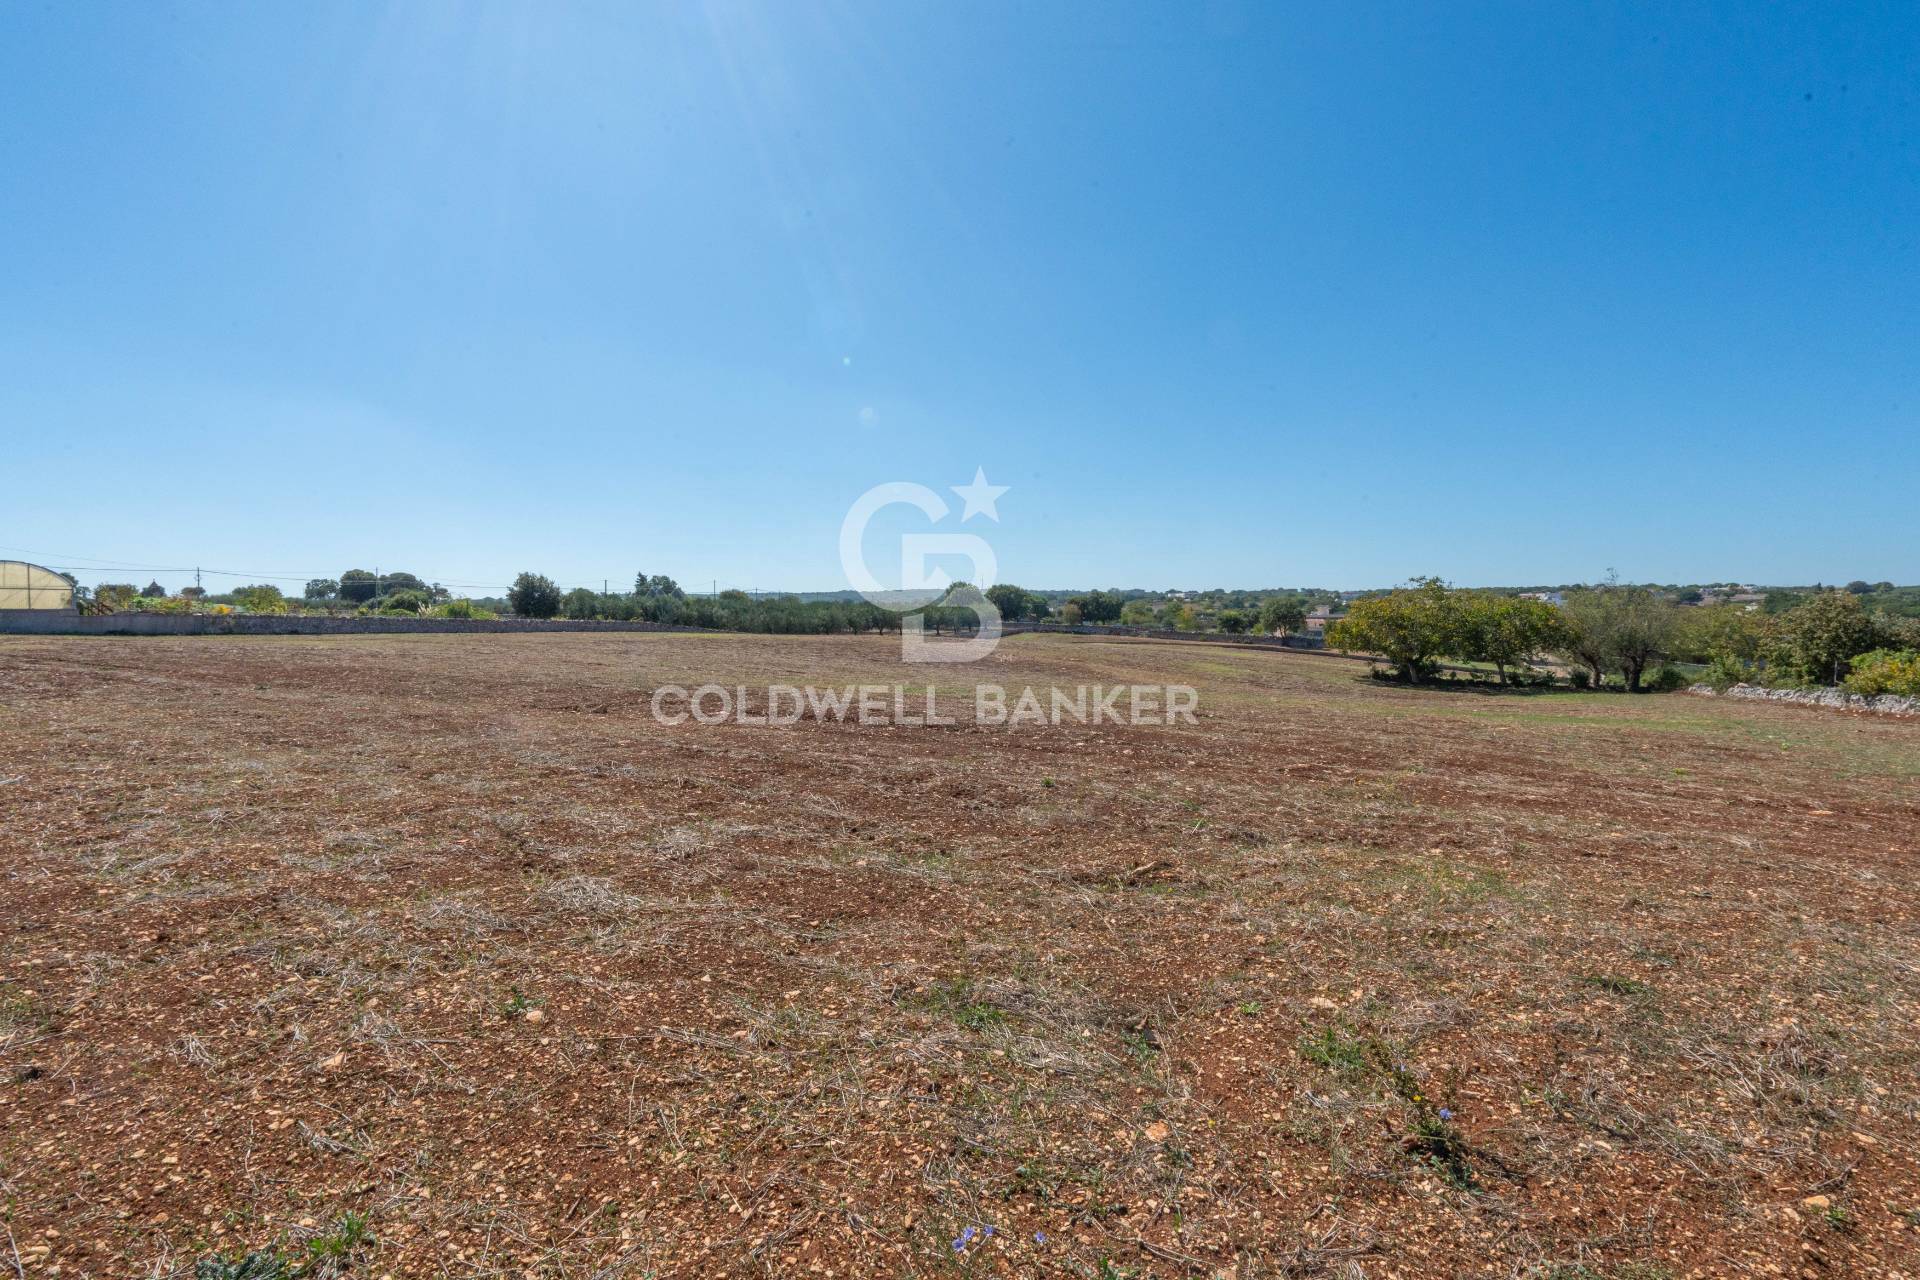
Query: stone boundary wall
{"type": "Point", "coordinates": [33, 622]}
{"type": "Point", "coordinates": [50, 622]}
{"type": "Point", "coordinates": [1885, 704]}
{"type": "Point", "coordinates": [1158, 633]}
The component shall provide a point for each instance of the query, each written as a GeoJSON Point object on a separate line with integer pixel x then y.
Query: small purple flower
{"type": "Point", "coordinates": [987, 1231]}
{"type": "Point", "coordinates": [960, 1245]}
{"type": "Point", "coordinates": [1039, 1237]}
{"type": "Point", "coordinates": [1446, 1113]}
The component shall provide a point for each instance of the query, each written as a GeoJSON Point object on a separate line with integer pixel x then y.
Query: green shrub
{"type": "Point", "coordinates": [1344, 1053]}
{"type": "Point", "coordinates": [262, 1265]}
{"type": "Point", "coordinates": [406, 601]}
{"type": "Point", "coordinates": [1726, 671]}
{"type": "Point", "coordinates": [1886, 671]}
{"type": "Point", "coordinates": [1820, 637]}
{"type": "Point", "coordinates": [263, 598]}
{"type": "Point", "coordinates": [1785, 675]}
{"type": "Point", "coordinates": [328, 1252]}
{"type": "Point", "coordinates": [1667, 679]}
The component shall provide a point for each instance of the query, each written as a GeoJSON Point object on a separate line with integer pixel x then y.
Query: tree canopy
{"type": "Point", "coordinates": [1412, 627]}
{"type": "Point", "coordinates": [1283, 613]}
{"type": "Point", "coordinates": [534, 595]}
{"type": "Point", "coordinates": [1616, 627]}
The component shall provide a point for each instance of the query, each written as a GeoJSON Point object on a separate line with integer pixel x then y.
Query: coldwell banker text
{"type": "Point", "coordinates": [782, 705]}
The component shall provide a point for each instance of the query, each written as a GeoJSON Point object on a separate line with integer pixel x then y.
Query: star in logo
{"type": "Point", "coordinates": [980, 496]}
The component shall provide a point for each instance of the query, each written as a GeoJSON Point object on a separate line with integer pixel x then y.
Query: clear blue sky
{"type": "Point", "coordinates": [1229, 294]}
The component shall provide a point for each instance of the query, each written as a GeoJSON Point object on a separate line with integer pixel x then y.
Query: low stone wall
{"type": "Point", "coordinates": [1885, 704]}
{"type": "Point", "coordinates": [34, 622]}
{"type": "Point", "coordinates": [1160, 633]}
{"type": "Point", "coordinates": [48, 622]}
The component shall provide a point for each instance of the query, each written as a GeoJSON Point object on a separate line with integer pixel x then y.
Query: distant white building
{"type": "Point", "coordinates": [1745, 597]}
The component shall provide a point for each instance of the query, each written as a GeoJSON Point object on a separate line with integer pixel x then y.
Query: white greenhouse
{"type": "Point", "coordinates": [28, 586]}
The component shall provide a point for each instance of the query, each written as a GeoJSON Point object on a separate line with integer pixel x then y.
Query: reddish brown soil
{"type": "Point", "coordinates": [447, 933]}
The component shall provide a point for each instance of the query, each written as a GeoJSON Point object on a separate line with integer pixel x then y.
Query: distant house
{"type": "Point", "coordinates": [1744, 597]}
{"type": "Point", "coordinates": [1545, 597]}
{"type": "Point", "coordinates": [1318, 618]}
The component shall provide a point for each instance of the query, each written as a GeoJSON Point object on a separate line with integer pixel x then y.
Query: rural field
{"type": "Point", "coordinates": [435, 956]}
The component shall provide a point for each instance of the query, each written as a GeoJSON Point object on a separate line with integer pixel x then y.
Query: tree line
{"type": "Point", "coordinates": [1624, 631]}
{"type": "Point", "coordinates": [1860, 636]}
{"type": "Point", "coordinates": [660, 599]}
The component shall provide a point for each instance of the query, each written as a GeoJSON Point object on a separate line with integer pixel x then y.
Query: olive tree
{"type": "Point", "coordinates": [1016, 603]}
{"type": "Point", "coordinates": [1616, 627]}
{"type": "Point", "coordinates": [1412, 627]}
{"type": "Point", "coordinates": [1506, 630]}
{"type": "Point", "coordinates": [533, 595]}
{"type": "Point", "coordinates": [1283, 613]}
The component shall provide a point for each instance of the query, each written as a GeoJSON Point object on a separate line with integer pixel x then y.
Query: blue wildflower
{"type": "Point", "coordinates": [987, 1230]}
{"type": "Point", "coordinates": [1446, 1113]}
{"type": "Point", "coordinates": [1039, 1237]}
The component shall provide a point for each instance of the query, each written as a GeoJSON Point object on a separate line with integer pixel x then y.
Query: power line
{"type": "Point", "coordinates": [104, 564]}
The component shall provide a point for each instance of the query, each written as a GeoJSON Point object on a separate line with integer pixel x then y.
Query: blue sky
{"type": "Point", "coordinates": [1227, 294]}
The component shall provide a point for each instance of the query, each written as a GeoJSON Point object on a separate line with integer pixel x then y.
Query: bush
{"type": "Point", "coordinates": [406, 601]}
{"type": "Point", "coordinates": [1580, 678]}
{"type": "Point", "coordinates": [260, 1265]}
{"type": "Point", "coordinates": [1896, 633]}
{"type": "Point", "coordinates": [1894, 671]}
{"type": "Point", "coordinates": [1667, 679]}
{"type": "Point", "coordinates": [1726, 671]}
{"type": "Point", "coordinates": [260, 598]}
{"type": "Point", "coordinates": [1818, 638]}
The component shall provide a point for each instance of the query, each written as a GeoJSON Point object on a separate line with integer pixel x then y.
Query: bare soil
{"type": "Point", "coordinates": [446, 934]}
